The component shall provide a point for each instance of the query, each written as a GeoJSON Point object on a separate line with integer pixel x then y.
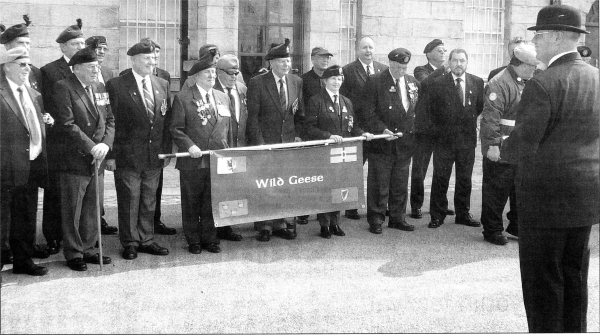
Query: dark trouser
{"type": "Point", "coordinates": [157, 212]}
{"type": "Point", "coordinates": [498, 186]}
{"type": "Point", "coordinates": [19, 215]}
{"type": "Point", "coordinates": [387, 186]}
{"type": "Point", "coordinates": [443, 159]}
{"type": "Point", "coordinates": [51, 219]}
{"type": "Point", "coordinates": [78, 199]}
{"type": "Point", "coordinates": [329, 219]}
{"type": "Point", "coordinates": [424, 144]}
{"type": "Point", "coordinates": [554, 271]}
{"type": "Point", "coordinates": [196, 204]}
{"type": "Point", "coordinates": [136, 201]}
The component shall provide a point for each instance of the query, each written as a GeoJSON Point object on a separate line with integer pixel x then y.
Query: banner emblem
{"type": "Point", "coordinates": [343, 155]}
{"type": "Point", "coordinates": [228, 165]}
{"type": "Point", "coordinates": [340, 195]}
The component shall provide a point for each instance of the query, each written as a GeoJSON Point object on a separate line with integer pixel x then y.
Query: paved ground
{"type": "Point", "coordinates": [426, 281]}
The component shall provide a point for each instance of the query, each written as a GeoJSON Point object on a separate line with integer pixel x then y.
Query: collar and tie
{"type": "Point", "coordinates": [148, 100]}
{"type": "Point", "coordinates": [282, 97]}
{"type": "Point", "coordinates": [31, 119]}
{"type": "Point", "coordinates": [459, 91]}
{"type": "Point", "coordinates": [210, 106]}
{"type": "Point", "coordinates": [232, 102]}
{"type": "Point", "coordinates": [368, 70]}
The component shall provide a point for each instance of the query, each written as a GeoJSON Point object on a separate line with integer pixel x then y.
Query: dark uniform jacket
{"type": "Point", "coordinates": [35, 79]}
{"type": "Point", "coordinates": [268, 123]}
{"type": "Point", "coordinates": [421, 72]}
{"type": "Point", "coordinates": [322, 121]}
{"type": "Point", "coordinates": [81, 124]}
{"type": "Point", "coordinates": [384, 108]}
{"type": "Point", "coordinates": [14, 145]}
{"type": "Point", "coordinates": [312, 85]}
{"type": "Point", "coordinates": [238, 127]}
{"type": "Point", "coordinates": [555, 142]}
{"type": "Point", "coordinates": [138, 141]}
{"type": "Point", "coordinates": [456, 125]}
{"type": "Point", "coordinates": [423, 124]}
{"type": "Point", "coordinates": [189, 129]}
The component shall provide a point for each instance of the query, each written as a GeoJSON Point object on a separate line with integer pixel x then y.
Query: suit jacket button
{"type": "Point", "coordinates": [27, 150]}
{"type": "Point", "coordinates": [390, 107]}
{"type": "Point", "coordinates": [89, 125]}
{"type": "Point", "coordinates": [150, 141]}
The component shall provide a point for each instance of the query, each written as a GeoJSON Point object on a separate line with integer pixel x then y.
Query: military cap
{"type": "Point", "coordinates": [559, 17]}
{"type": "Point", "coordinates": [95, 41]}
{"type": "Point", "coordinates": [320, 51]}
{"type": "Point", "coordinates": [2, 28]}
{"type": "Point", "coordinates": [526, 54]}
{"type": "Point", "coordinates": [151, 41]}
{"type": "Point", "coordinates": [229, 64]}
{"type": "Point", "coordinates": [85, 55]}
{"type": "Point", "coordinates": [332, 71]}
{"type": "Point", "coordinates": [141, 48]}
{"type": "Point", "coordinates": [7, 56]}
{"type": "Point", "coordinates": [432, 45]}
{"type": "Point", "coordinates": [399, 55]}
{"type": "Point", "coordinates": [19, 30]}
{"type": "Point", "coordinates": [584, 51]}
{"type": "Point", "coordinates": [203, 63]}
{"type": "Point", "coordinates": [279, 50]}
{"type": "Point", "coordinates": [210, 49]}
{"type": "Point", "coordinates": [71, 32]}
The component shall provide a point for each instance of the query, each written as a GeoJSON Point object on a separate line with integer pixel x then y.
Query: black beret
{"type": "Point", "coordinates": [19, 30]}
{"type": "Point", "coordinates": [279, 50]}
{"type": "Point", "coordinates": [151, 41]}
{"type": "Point", "coordinates": [141, 48]}
{"type": "Point", "coordinates": [332, 71]}
{"type": "Point", "coordinates": [559, 17]}
{"type": "Point", "coordinates": [432, 45]}
{"type": "Point", "coordinates": [399, 55]}
{"type": "Point", "coordinates": [210, 49]}
{"type": "Point", "coordinates": [205, 62]}
{"type": "Point", "coordinates": [71, 32]}
{"type": "Point", "coordinates": [95, 41]}
{"type": "Point", "coordinates": [85, 55]}
{"type": "Point", "coordinates": [584, 51]}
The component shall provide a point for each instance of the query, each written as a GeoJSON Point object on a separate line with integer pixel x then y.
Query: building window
{"type": "Point", "coordinates": [484, 35]}
{"type": "Point", "coordinates": [263, 22]}
{"type": "Point", "coordinates": [156, 19]}
{"type": "Point", "coordinates": [347, 30]}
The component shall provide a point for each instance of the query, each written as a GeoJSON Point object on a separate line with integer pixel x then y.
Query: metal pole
{"type": "Point", "coordinates": [98, 224]}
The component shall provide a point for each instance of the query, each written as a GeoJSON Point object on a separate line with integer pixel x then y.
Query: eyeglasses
{"type": "Point", "coordinates": [230, 72]}
{"type": "Point", "coordinates": [23, 64]}
{"type": "Point", "coordinates": [542, 33]}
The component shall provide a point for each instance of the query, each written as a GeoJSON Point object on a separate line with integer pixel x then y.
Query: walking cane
{"type": "Point", "coordinates": [97, 181]}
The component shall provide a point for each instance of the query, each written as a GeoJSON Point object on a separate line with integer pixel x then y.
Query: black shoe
{"type": "Point", "coordinates": [53, 247]}
{"type": "Point", "coordinates": [211, 247]}
{"type": "Point", "coordinates": [105, 229]}
{"type": "Point", "coordinates": [129, 252]}
{"type": "Point", "coordinates": [284, 234]}
{"type": "Point", "coordinates": [325, 233]}
{"type": "Point", "coordinates": [352, 214]}
{"type": "Point", "coordinates": [375, 228]}
{"type": "Point", "coordinates": [415, 213]}
{"type": "Point", "coordinates": [77, 264]}
{"type": "Point", "coordinates": [497, 239]}
{"type": "Point", "coordinates": [153, 249]}
{"type": "Point", "coordinates": [40, 252]}
{"type": "Point", "coordinates": [230, 236]}
{"type": "Point", "coordinates": [32, 270]}
{"type": "Point", "coordinates": [435, 223]}
{"type": "Point", "coordinates": [302, 219]}
{"type": "Point", "coordinates": [467, 220]}
{"type": "Point", "coordinates": [263, 236]}
{"type": "Point", "coordinates": [195, 249]}
{"type": "Point", "coordinates": [402, 225]}
{"type": "Point", "coordinates": [7, 257]}
{"type": "Point", "coordinates": [449, 212]}
{"type": "Point", "coordinates": [95, 259]}
{"type": "Point", "coordinates": [336, 230]}
{"type": "Point", "coordinates": [161, 229]}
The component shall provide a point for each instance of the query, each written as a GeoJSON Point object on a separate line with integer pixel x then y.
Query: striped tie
{"type": "Point", "coordinates": [148, 100]}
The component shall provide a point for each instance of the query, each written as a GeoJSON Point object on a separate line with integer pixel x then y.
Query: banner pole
{"type": "Point", "coordinates": [283, 145]}
{"type": "Point", "coordinates": [98, 222]}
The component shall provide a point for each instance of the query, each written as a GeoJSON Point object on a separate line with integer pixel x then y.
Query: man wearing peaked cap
{"type": "Point", "coordinates": [277, 120]}
{"type": "Point", "coordinates": [24, 165]}
{"type": "Point", "coordinates": [501, 99]}
{"type": "Point", "coordinates": [85, 127]}
{"type": "Point", "coordinates": [70, 41]}
{"type": "Point", "coordinates": [555, 144]}
{"type": "Point", "coordinates": [391, 97]}
{"type": "Point", "coordinates": [140, 101]}
{"type": "Point", "coordinates": [18, 35]}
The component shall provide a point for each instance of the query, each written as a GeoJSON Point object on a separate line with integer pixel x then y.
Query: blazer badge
{"type": "Point", "coordinates": [295, 106]}
{"type": "Point", "coordinates": [101, 99]}
{"type": "Point", "coordinates": [163, 107]}
{"type": "Point", "coordinates": [393, 89]}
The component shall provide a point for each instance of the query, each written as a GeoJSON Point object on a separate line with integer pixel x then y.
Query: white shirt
{"type": "Point", "coordinates": [558, 56]}
{"type": "Point", "coordinates": [284, 87]}
{"type": "Point", "coordinates": [370, 65]}
{"type": "Point", "coordinates": [67, 59]}
{"type": "Point", "coordinates": [331, 95]}
{"type": "Point", "coordinates": [433, 66]}
{"type": "Point", "coordinates": [462, 85]}
{"type": "Point", "coordinates": [211, 99]}
{"type": "Point", "coordinates": [236, 98]}
{"type": "Point", "coordinates": [100, 77]}
{"type": "Point", "coordinates": [138, 80]}
{"type": "Point", "coordinates": [34, 150]}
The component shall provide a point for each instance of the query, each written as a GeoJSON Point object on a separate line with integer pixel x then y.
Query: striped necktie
{"type": "Point", "coordinates": [148, 100]}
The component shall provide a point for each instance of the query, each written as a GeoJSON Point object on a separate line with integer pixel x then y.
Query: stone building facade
{"type": "Point", "coordinates": [247, 27]}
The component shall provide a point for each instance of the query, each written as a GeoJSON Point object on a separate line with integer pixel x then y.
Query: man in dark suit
{"type": "Point", "coordinates": [23, 158]}
{"type": "Point", "coordinates": [228, 69]}
{"type": "Point", "coordinates": [140, 103]}
{"type": "Point", "coordinates": [389, 102]}
{"type": "Point", "coordinates": [201, 121]}
{"type": "Point", "coordinates": [355, 78]}
{"type": "Point", "coordinates": [275, 115]}
{"type": "Point", "coordinates": [556, 145]}
{"type": "Point", "coordinates": [435, 51]}
{"type": "Point", "coordinates": [456, 100]}
{"type": "Point", "coordinates": [70, 41]}
{"type": "Point", "coordinates": [86, 127]}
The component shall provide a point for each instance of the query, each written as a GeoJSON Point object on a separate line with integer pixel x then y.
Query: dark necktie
{"type": "Point", "coordinates": [34, 132]}
{"type": "Point", "coordinates": [336, 105]}
{"type": "Point", "coordinates": [282, 98]}
{"type": "Point", "coordinates": [210, 106]}
{"type": "Point", "coordinates": [149, 100]}
{"type": "Point", "coordinates": [90, 93]}
{"type": "Point", "coordinates": [459, 91]}
{"type": "Point", "coordinates": [368, 70]}
{"type": "Point", "coordinates": [231, 103]}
